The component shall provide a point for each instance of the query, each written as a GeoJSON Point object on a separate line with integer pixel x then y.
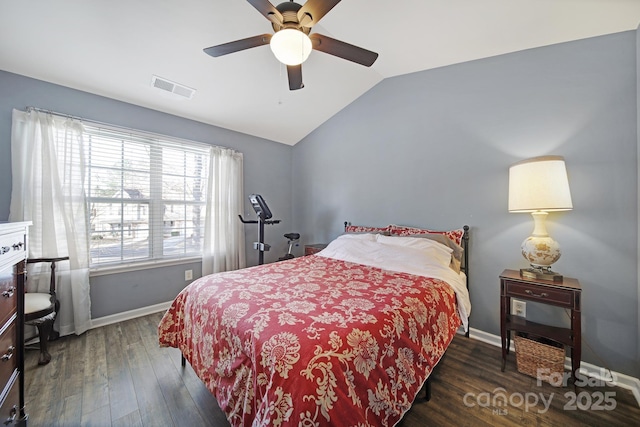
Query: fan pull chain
{"type": "Point", "coordinates": [280, 90]}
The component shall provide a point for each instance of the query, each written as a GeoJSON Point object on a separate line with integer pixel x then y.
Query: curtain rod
{"type": "Point", "coordinates": [55, 113]}
{"type": "Point", "coordinates": [124, 128]}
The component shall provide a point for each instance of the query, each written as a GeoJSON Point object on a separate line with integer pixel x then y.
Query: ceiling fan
{"type": "Point", "coordinates": [291, 42]}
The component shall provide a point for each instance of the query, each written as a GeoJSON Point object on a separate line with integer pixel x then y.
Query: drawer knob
{"type": "Point", "coordinates": [8, 355]}
{"type": "Point", "coordinates": [6, 249]}
{"type": "Point", "coordinates": [8, 293]}
{"type": "Point", "coordinates": [542, 295]}
{"type": "Point", "coordinates": [12, 415]}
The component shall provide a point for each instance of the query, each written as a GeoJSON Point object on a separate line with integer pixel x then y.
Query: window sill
{"type": "Point", "coordinates": [144, 265]}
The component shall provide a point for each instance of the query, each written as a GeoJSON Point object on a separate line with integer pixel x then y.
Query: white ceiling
{"type": "Point", "coordinates": [113, 48]}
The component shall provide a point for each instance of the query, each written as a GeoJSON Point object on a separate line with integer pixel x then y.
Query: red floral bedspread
{"type": "Point", "coordinates": [312, 341]}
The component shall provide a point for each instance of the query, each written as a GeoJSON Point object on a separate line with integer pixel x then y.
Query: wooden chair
{"type": "Point", "coordinates": [41, 309]}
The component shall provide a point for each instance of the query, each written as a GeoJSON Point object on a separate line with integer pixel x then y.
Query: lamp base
{"type": "Point", "coordinates": [541, 273]}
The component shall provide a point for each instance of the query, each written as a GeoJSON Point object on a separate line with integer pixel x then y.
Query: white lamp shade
{"type": "Point", "coordinates": [539, 184]}
{"type": "Point", "coordinates": [291, 47]}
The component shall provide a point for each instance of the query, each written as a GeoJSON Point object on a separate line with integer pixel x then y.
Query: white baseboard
{"type": "Point", "coordinates": [128, 315]}
{"type": "Point", "coordinates": [622, 380]}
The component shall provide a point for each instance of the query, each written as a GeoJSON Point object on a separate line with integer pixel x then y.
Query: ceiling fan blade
{"type": "Point", "coordinates": [343, 50]}
{"type": "Point", "coordinates": [313, 11]}
{"type": "Point", "coordinates": [235, 46]}
{"type": "Point", "coordinates": [268, 10]}
{"type": "Point", "coordinates": [295, 77]}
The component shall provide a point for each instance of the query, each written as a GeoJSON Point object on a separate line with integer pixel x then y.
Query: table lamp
{"type": "Point", "coordinates": [540, 185]}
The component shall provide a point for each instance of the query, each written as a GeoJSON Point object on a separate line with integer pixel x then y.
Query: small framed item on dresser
{"type": "Point", "coordinates": [13, 255]}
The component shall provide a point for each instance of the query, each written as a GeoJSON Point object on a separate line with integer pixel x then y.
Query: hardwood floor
{"type": "Point", "coordinates": [118, 376]}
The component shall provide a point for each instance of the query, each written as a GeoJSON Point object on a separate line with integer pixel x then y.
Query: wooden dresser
{"type": "Point", "coordinates": [13, 254]}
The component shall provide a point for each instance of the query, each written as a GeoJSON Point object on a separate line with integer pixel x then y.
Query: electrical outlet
{"type": "Point", "coordinates": [518, 308]}
{"type": "Point", "coordinates": [188, 274]}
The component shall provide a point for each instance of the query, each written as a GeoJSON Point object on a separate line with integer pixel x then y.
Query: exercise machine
{"type": "Point", "coordinates": [264, 217]}
{"type": "Point", "coordinates": [291, 237]}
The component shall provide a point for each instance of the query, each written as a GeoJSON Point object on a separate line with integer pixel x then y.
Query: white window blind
{"type": "Point", "coordinates": [146, 196]}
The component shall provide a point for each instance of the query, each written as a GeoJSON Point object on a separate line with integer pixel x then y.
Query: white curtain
{"type": "Point", "coordinates": [224, 247]}
{"type": "Point", "coordinates": [48, 171]}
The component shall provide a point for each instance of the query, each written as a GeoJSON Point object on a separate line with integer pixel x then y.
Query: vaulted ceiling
{"type": "Point", "coordinates": [114, 48]}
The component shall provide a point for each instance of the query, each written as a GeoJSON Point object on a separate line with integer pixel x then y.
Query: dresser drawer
{"type": "Point", "coordinates": [12, 247]}
{"type": "Point", "coordinates": [8, 353]}
{"type": "Point", "coordinates": [11, 404]}
{"type": "Point", "coordinates": [540, 293]}
{"type": "Point", "coordinates": [8, 293]}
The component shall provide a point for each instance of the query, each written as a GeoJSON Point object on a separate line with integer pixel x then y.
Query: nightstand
{"type": "Point", "coordinates": [315, 248]}
{"type": "Point", "coordinates": [566, 294]}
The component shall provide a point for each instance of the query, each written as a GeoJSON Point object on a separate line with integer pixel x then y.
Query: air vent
{"type": "Point", "coordinates": [173, 87]}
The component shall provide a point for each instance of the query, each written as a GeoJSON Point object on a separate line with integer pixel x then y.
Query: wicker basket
{"type": "Point", "coordinates": [533, 355]}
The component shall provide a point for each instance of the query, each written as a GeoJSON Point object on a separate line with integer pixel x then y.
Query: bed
{"type": "Point", "coordinates": [344, 337]}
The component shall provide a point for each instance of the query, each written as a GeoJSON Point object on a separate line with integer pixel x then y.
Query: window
{"type": "Point", "coordinates": [146, 196]}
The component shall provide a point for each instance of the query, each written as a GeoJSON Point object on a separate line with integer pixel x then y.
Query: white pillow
{"type": "Point", "coordinates": [413, 242]}
{"type": "Point", "coordinates": [430, 248]}
{"type": "Point", "coordinates": [358, 236]}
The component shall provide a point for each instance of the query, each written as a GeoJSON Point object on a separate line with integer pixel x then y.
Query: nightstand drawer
{"type": "Point", "coordinates": [540, 293]}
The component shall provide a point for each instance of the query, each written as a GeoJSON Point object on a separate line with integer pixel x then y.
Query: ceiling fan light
{"type": "Point", "coordinates": [290, 46]}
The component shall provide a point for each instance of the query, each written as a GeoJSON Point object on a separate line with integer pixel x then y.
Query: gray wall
{"type": "Point", "coordinates": [267, 171]}
{"type": "Point", "coordinates": [433, 149]}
